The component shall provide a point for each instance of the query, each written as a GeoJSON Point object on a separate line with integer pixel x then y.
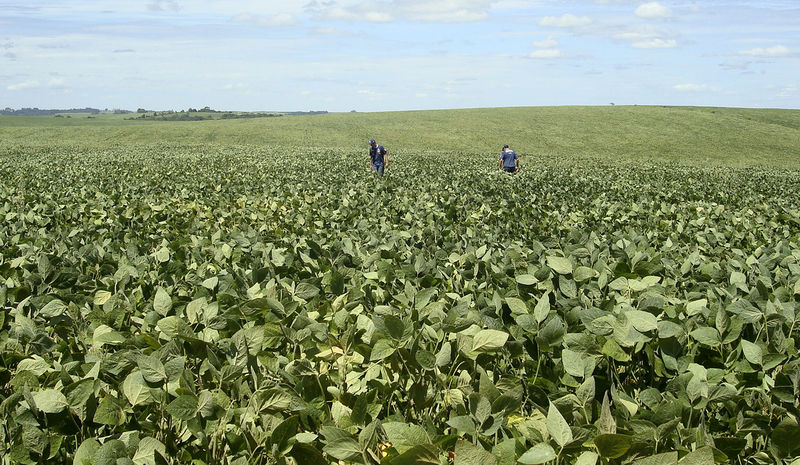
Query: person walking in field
{"type": "Point", "coordinates": [378, 161]}
{"type": "Point", "coordinates": [509, 161]}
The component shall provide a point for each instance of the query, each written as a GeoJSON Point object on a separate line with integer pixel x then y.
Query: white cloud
{"type": "Point", "coordinates": [163, 5]}
{"type": "Point", "coordinates": [547, 48]}
{"type": "Point", "coordinates": [653, 10]}
{"type": "Point", "coordinates": [655, 43]}
{"type": "Point", "coordinates": [53, 83]}
{"type": "Point", "coordinates": [566, 20]}
{"type": "Point", "coordinates": [282, 19]}
{"type": "Point", "coordinates": [446, 11]}
{"type": "Point", "coordinates": [550, 42]}
{"type": "Point", "coordinates": [777, 51]}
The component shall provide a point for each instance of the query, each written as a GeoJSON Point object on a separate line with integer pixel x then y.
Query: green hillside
{"type": "Point", "coordinates": [726, 136]}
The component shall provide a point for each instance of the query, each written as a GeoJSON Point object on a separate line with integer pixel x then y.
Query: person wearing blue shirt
{"type": "Point", "coordinates": [509, 161]}
{"type": "Point", "coordinates": [378, 161]}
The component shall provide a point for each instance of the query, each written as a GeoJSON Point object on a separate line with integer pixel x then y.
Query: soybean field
{"type": "Point", "coordinates": [247, 292]}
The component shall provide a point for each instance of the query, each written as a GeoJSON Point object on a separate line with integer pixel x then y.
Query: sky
{"type": "Point", "coordinates": [387, 55]}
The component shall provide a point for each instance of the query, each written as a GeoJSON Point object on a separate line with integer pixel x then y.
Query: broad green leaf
{"type": "Point", "coordinates": [488, 340]}
{"type": "Point", "coordinates": [468, 454]}
{"type": "Point", "coordinates": [152, 369]}
{"type": "Point", "coordinates": [101, 297]}
{"type": "Point", "coordinates": [184, 407]}
{"type": "Point", "coordinates": [426, 454]}
{"type": "Point", "coordinates": [702, 456]}
{"type": "Point", "coordinates": [306, 291]}
{"type": "Point", "coordinates": [425, 359]}
{"type": "Point", "coordinates": [517, 306]}
{"type": "Point", "coordinates": [382, 349]}
{"type": "Point", "coordinates": [135, 389]}
{"type": "Point", "coordinates": [162, 302]}
{"type": "Point", "coordinates": [707, 336]}
{"type": "Point", "coordinates": [527, 279]}
{"type": "Point", "coordinates": [463, 424]}
{"type": "Point", "coordinates": [695, 307]}
{"type": "Point", "coordinates": [85, 453]}
{"type": "Point", "coordinates": [667, 458]}
{"type": "Point", "coordinates": [573, 363]}
{"type": "Point", "coordinates": [587, 458]}
{"type": "Point", "coordinates": [109, 412]}
{"type": "Point", "coordinates": [540, 453]}
{"type": "Point", "coordinates": [395, 327]}
{"type": "Point", "coordinates": [612, 446]}
{"type": "Point", "coordinates": [150, 451]}
{"type": "Point", "coordinates": [50, 401]}
{"type": "Point", "coordinates": [642, 321]}
{"type": "Point", "coordinates": [786, 437]}
{"type": "Point", "coordinates": [558, 427]}
{"type": "Point", "coordinates": [752, 352]}
{"type": "Point", "coordinates": [542, 309]}
{"type": "Point", "coordinates": [560, 265]}
{"type": "Point", "coordinates": [105, 335]}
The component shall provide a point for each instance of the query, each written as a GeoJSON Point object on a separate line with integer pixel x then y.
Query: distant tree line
{"type": "Point", "coordinates": [38, 112]}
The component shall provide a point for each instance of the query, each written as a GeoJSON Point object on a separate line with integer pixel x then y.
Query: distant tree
{"type": "Point", "coordinates": [141, 110]}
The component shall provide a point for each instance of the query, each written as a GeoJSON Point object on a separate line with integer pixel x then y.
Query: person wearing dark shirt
{"type": "Point", "coordinates": [378, 161]}
{"type": "Point", "coordinates": [509, 161]}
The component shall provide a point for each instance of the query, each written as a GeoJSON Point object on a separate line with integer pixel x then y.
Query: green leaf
{"type": "Point", "coordinates": [702, 456]}
{"type": "Point", "coordinates": [558, 427]}
{"type": "Point", "coordinates": [540, 453]}
{"type": "Point", "coordinates": [307, 454]}
{"type": "Point", "coordinates": [110, 452]}
{"type": "Point", "coordinates": [613, 446]}
{"type": "Point", "coordinates": [395, 327]}
{"type": "Point", "coordinates": [695, 307]}
{"type": "Point", "coordinates": [585, 392]}
{"type": "Point", "coordinates": [587, 458]}
{"type": "Point", "coordinates": [425, 359]}
{"type": "Point", "coordinates": [306, 291]}
{"type": "Point", "coordinates": [527, 279]}
{"type": "Point", "coordinates": [150, 452]}
{"type": "Point", "coordinates": [85, 453]}
{"type": "Point", "coordinates": [463, 424]}
{"type": "Point", "coordinates": [667, 458]}
{"type": "Point", "coordinates": [50, 401]}
{"type": "Point", "coordinates": [517, 306]}
{"type": "Point", "coordinates": [426, 454]}
{"type": "Point", "coordinates": [341, 446]}
{"type": "Point", "coordinates": [105, 335]}
{"type": "Point", "coordinates": [642, 321]}
{"type": "Point", "coordinates": [573, 363]}
{"type": "Point", "coordinates": [542, 309]}
{"type": "Point", "coordinates": [613, 350]}
{"type": "Point", "coordinates": [707, 336]}
{"type": "Point", "coordinates": [752, 352]}
{"type": "Point", "coordinates": [101, 297]}
{"type": "Point", "coordinates": [152, 369]}
{"type": "Point", "coordinates": [109, 412]}
{"type": "Point", "coordinates": [162, 302]}
{"type": "Point", "coordinates": [488, 340]}
{"type": "Point", "coordinates": [560, 265]}
{"type": "Point", "coordinates": [135, 389]}
{"type": "Point", "coordinates": [786, 437]}
{"type": "Point", "coordinates": [53, 308]}
{"type": "Point", "coordinates": [184, 407]}
{"type": "Point", "coordinates": [382, 349]}
{"type": "Point", "coordinates": [468, 454]}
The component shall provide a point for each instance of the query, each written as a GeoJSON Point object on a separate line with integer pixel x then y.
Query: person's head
{"type": "Point", "coordinates": [505, 146]}
{"type": "Point", "coordinates": [372, 142]}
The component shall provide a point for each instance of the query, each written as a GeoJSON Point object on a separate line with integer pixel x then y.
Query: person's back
{"type": "Point", "coordinates": [509, 161]}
